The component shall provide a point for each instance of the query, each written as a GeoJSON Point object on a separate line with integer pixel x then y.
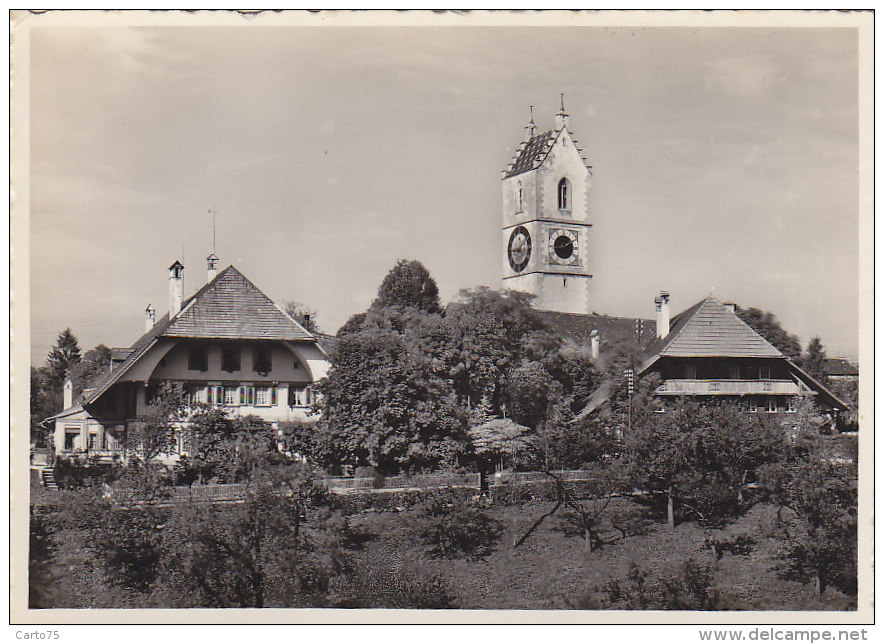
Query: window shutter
{"type": "Point", "coordinates": [273, 396]}
{"type": "Point", "coordinates": [242, 395]}
{"type": "Point", "coordinates": [251, 395]}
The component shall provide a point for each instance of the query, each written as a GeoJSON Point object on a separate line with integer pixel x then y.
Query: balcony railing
{"type": "Point", "coordinates": [727, 387]}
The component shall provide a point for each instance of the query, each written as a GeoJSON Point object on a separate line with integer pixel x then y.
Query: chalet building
{"type": "Point", "coordinates": [840, 370]}
{"type": "Point", "coordinates": [707, 351]}
{"type": "Point", "coordinates": [230, 346]}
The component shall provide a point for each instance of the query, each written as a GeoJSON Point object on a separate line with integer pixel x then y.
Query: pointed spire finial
{"type": "Point", "coordinates": [531, 128]}
{"type": "Point", "coordinates": [561, 116]}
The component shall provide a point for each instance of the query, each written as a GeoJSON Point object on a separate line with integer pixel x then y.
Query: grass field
{"type": "Point", "coordinates": [553, 570]}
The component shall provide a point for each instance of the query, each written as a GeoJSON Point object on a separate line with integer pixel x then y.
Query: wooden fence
{"type": "Point", "coordinates": [234, 492]}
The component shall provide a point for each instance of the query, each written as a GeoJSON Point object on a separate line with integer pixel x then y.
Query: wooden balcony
{"type": "Point", "coordinates": [727, 388]}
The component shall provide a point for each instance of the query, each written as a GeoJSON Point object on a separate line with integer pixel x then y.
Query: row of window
{"type": "Point", "coordinates": [734, 372]}
{"type": "Point", "coordinates": [753, 405]}
{"type": "Point", "coordinates": [562, 195]}
{"type": "Point", "coordinates": [770, 404]}
{"type": "Point", "coordinates": [262, 359]}
{"type": "Point", "coordinates": [246, 395]}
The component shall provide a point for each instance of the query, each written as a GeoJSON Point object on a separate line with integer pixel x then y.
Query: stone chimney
{"type": "Point", "coordinates": [594, 343]}
{"type": "Point", "coordinates": [661, 304]}
{"type": "Point", "coordinates": [68, 393]}
{"type": "Point", "coordinates": [211, 261]}
{"type": "Point", "coordinates": [561, 115]}
{"type": "Point", "coordinates": [175, 288]}
{"type": "Point", "coordinates": [150, 317]}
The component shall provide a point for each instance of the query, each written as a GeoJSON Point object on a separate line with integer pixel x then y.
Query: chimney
{"type": "Point", "coordinates": [730, 306]}
{"type": "Point", "coordinates": [175, 288]}
{"type": "Point", "coordinates": [662, 306]}
{"type": "Point", "coordinates": [68, 395]}
{"type": "Point", "coordinates": [594, 343]}
{"type": "Point", "coordinates": [150, 317]}
{"type": "Point", "coordinates": [211, 260]}
{"type": "Point", "coordinates": [561, 115]}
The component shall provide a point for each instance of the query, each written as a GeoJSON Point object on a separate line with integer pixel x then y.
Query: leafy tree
{"type": "Point", "coordinates": [453, 526]}
{"type": "Point", "coordinates": [489, 335]}
{"type": "Point", "coordinates": [531, 393]}
{"type": "Point", "coordinates": [62, 357]}
{"type": "Point", "coordinates": [501, 439]}
{"type": "Point", "coordinates": [94, 364]}
{"type": "Point", "coordinates": [386, 405]}
{"type": "Point", "coordinates": [701, 456]}
{"type": "Point", "coordinates": [155, 431]}
{"type": "Point", "coordinates": [409, 284]}
{"type": "Point", "coordinates": [46, 400]}
{"type": "Point", "coordinates": [768, 327]}
{"type": "Point", "coordinates": [303, 315]}
{"type": "Point", "coordinates": [820, 495]}
{"type": "Point", "coordinates": [814, 360]}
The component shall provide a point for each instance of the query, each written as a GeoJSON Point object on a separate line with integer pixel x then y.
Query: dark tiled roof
{"type": "Point", "coordinates": [231, 307]}
{"type": "Point", "coordinates": [710, 329]}
{"type": "Point", "coordinates": [840, 367]}
{"type": "Point", "coordinates": [533, 153]}
{"type": "Point", "coordinates": [576, 327]}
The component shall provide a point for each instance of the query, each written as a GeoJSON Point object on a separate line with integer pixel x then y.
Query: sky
{"type": "Point", "coordinates": [724, 161]}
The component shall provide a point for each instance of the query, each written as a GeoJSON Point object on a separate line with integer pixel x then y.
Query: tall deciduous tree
{"type": "Point", "coordinates": [385, 403]}
{"type": "Point", "coordinates": [768, 327]}
{"type": "Point", "coordinates": [409, 284]}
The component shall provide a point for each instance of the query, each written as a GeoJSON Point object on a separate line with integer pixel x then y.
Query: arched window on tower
{"type": "Point", "coordinates": [564, 189]}
{"type": "Point", "coordinates": [519, 198]}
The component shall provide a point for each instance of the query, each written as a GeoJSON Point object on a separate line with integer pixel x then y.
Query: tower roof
{"type": "Point", "coordinates": [533, 153]}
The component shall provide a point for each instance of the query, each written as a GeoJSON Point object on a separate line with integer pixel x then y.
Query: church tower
{"type": "Point", "coordinates": [546, 225]}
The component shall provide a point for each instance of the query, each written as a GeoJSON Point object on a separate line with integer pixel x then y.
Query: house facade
{"type": "Point", "coordinates": [708, 352]}
{"type": "Point", "coordinates": [228, 345]}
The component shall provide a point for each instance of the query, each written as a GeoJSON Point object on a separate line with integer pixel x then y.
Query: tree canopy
{"type": "Point", "coordinates": [409, 284]}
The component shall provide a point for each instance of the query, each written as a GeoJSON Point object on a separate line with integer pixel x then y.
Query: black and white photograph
{"type": "Point", "coordinates": [442, 311]}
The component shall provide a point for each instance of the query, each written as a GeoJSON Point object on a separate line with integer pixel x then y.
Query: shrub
{"type": "Point", "coordinates": [452, 526]}
{"type": "Point", "coordinates": [376, 586]}
{"type": "Point", "coordinates": [71, 474]}
{"type": "Point", "coordinates": [691, 588]}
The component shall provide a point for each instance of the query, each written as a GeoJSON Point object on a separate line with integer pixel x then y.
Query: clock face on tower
{"type": "Point", "coordinates": [563, 246]}
{"type": "Point", "coordinates": [519, 249]}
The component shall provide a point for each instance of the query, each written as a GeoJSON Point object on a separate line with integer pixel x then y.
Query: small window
{"type": "Point", "coordinates": [690, 371]}
{"type": "Point", "coordinates": [300, 397]}
{"type": "Point", "coordinates": [71, 432]}
{"type": "Point", "coordinates": [231, 395]}
{"type": "Point", "coordinates": [94, 440]}
{"type": "Point", "coordinates": [263, 362]}
{"type": "Point", "coordinates": [764, 373]}
{"type": "Point", "coordinates": [771, 405]}
{"type": "Point", "coordinates": [791, 408]}
{"type": "Point", "coordinates": [198, 359]}
{"type": "Point", "coordinates": [519, 206]}
{"type": "Point", "coordinates": [752, 406]}
{"type": "Point", "coordinates": [563, 195]}
{"type": "Point", "coordinates": [262, 396]}
{"type": "Point", "coordinates": [733, 371]}
{"type": "Point", "coordinates": [230, 359]}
